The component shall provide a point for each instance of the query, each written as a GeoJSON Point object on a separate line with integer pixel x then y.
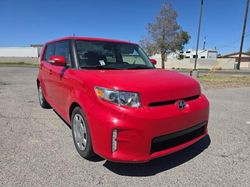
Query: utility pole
{"type": "Point", "coordinates": [195, 72]}
{"type": "Point", "coordinates": [243, 34]}
{"type": "Point", "coordinates": [204, 44]}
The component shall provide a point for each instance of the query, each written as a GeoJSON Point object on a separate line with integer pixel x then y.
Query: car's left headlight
{"type": "Point", "coordinates": [118, 97]}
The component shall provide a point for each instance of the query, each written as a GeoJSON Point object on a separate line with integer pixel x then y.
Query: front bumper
{"type": "Point", "coordinates": [140, 130]}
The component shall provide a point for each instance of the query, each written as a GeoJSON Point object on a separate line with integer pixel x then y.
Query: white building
{"type": "Point", "coordinates": [206, 54]}
{"type": "Point", "coordinates": [33, 51]}
{"type": "Point", "coordinates": [169, 56]}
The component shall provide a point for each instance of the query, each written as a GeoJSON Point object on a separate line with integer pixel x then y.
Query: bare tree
{"type": "Point", "coordinates": [165, 35]}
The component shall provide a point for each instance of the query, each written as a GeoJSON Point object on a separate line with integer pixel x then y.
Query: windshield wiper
{"type": "Point", "coordinates": [140, 67]}
{"type": "Point", "coordinates": [97, 67]}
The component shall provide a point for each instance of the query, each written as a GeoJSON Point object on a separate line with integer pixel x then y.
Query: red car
{"type": "Point", "coordinates": [117, 103]}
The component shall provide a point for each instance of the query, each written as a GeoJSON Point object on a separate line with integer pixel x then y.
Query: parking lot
{"type": "Point", "coordinates": [36, 146]}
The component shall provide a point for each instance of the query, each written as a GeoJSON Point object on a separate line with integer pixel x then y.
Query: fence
{"type": "Point", "coordinates": [220, 63]}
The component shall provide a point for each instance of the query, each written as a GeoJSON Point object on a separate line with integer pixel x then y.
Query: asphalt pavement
{"type": "Point", "coordinates": [36, 146]}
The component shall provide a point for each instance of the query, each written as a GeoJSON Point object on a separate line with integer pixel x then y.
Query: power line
{"type": "Point", "coordinates": [234, 42]}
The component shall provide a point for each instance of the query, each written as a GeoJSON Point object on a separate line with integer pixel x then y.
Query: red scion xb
{"type": "Point", "coordinates": [117, 103]}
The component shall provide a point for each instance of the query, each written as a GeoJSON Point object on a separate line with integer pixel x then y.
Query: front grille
{"type": "Point", "coordinates": [171, 140]}
{"type": "Point", "coordinates": [169, 102]}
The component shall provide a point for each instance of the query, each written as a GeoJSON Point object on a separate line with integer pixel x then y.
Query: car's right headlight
{"type": "Point", "coordinates": [124, 98]}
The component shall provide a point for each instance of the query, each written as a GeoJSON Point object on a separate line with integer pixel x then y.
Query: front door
{"type": "Point", "coordinates": [60, 77]}
{"type": "Point", "coordinates": [45, 68]}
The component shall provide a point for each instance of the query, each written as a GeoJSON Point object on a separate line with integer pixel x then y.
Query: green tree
{"type": "Point", "coordinates": [165, 35]}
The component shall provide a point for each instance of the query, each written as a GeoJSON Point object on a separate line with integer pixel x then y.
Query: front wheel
{"type": "Point", "coordinates": [81, 134]}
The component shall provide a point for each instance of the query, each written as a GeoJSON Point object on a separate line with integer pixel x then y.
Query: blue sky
{"type": "Point", "coordinates": [23, 22]}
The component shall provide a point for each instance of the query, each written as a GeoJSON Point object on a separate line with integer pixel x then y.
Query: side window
{"type": "Point", "coordinates": [62, 49]}
{"type": "Point", "coordinates": [50, 51]}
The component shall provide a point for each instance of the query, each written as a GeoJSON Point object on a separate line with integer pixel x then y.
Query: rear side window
{"type": "Point", "coordinates": [50, 51]}
{"type": "Point", "coordinates": [62, 49]}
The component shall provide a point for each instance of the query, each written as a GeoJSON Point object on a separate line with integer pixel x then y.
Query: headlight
{"type": "Point", "coordinates": [118, 97]}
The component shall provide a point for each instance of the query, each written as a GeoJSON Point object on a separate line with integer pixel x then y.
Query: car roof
{"type": "Point", "coordinates": [90, 39]}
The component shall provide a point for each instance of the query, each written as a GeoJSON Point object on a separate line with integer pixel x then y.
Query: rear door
{"type": "Point", "coordinates": [61, 84]}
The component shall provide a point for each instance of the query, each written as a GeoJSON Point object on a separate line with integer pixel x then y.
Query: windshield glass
{"type": "Point", "coordinates": [111, 55]}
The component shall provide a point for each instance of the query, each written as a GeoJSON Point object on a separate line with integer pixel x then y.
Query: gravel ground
{"type": "Point", "coordinates": [36, 146]}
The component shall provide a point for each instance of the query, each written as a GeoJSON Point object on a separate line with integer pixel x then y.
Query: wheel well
{"type": "Point", "coordinates": [73, 105]}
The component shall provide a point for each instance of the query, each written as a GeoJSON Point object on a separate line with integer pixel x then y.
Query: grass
{"type": "Point", "coordinates": [218, 82]}
{"type": "Point", "coordinates": [17, 64]}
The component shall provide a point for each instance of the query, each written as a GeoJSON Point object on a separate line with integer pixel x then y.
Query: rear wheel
{"type": "Point", "coordinates": [81, 134]}
{"type": "Point", "coordinates": [42, 100]}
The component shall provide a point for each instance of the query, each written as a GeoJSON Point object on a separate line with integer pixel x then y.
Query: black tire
{"type": "Point", "coordinates": [42, 100]}
{"type": "Point", "coordinates": [87, 151]}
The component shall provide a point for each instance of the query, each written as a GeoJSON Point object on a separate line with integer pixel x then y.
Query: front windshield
{"type": "Point", "coordinates": [111, 55]}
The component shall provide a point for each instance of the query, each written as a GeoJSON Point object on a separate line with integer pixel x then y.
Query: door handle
{"type": "Point", "coordinates": [41, 66]}
{"type": "Point", "coordinates": [50, 72]}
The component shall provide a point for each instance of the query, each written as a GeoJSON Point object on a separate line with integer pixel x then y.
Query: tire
{"type": "Point", "coordinates": [81, 134]}
{"type": "Point", "coordinates": [42, 100]}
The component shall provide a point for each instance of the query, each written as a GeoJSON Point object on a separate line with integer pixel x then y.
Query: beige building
{"type": "Point", "coordinates": [244, 57]}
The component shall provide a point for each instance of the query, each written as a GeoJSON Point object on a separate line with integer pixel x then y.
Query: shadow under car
{"type": "Point", "coordinates": [160, 164]}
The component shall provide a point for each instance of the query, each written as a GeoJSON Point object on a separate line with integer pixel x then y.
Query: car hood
{"type": "Point", "coordinates": [153, 85]}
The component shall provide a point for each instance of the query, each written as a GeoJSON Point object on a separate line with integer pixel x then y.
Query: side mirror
{"type": "Point", "coordinates": [153, 61]}
{"type": "Point", "coordinates": [58, 60]}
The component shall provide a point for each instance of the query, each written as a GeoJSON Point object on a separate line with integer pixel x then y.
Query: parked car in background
{"type": "Point", "coordinates": [117, 103]}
